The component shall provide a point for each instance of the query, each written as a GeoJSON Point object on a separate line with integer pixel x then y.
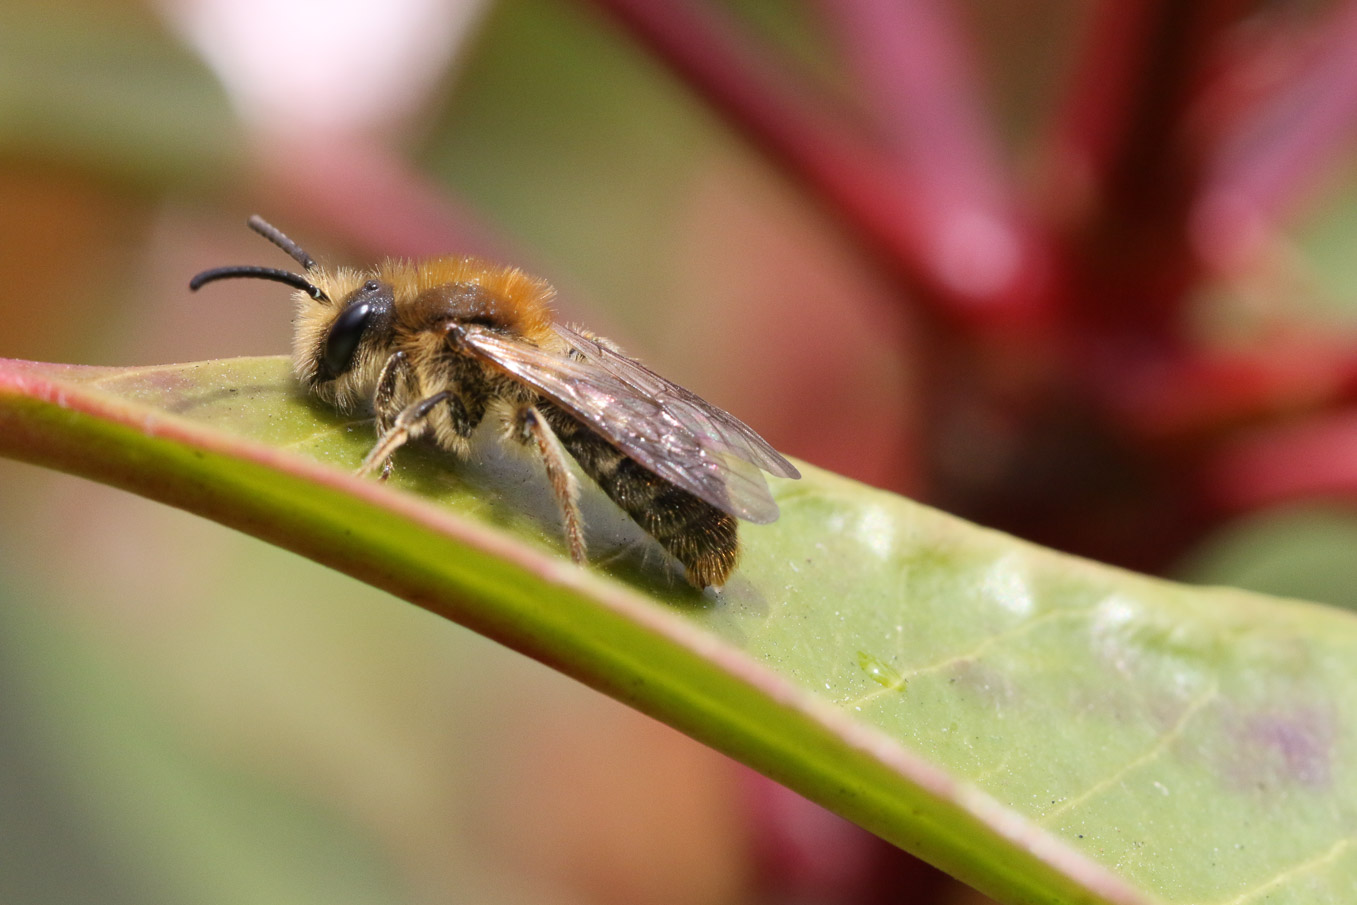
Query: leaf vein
{"type": "Point", "coordinates": [973, 654]}
{"type": "Point", "coordinates": [1162, 744]}
{"type": "Point", "coordinates": [1306, 866]}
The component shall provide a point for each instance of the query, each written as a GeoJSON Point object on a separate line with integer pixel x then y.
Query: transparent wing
{"type": "Point", "coordinates": [719, 430]}
{"type": "Point", "coordinates": [637, 423]}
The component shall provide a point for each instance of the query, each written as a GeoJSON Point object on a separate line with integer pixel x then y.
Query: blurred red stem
{"type": "Point", "coordinates": [777, 112]}
{"type": "Point", "coordinates": [1275, 152]}
{"type": "Point", "coordinates": [1124, 147]}
{"type": "Point", "coordinates": [1314, 459]}
{"type": "Point", "coordinates": [916, 66]}
{"type": "Point", "coordinates": [1201, 396]}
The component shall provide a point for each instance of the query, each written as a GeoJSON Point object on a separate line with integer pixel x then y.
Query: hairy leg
{"type": "Point", "coordinates": [532, 427]}
{"type": "Point", "coordinates": [412, 421]}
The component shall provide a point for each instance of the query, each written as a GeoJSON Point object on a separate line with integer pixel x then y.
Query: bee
{"type": "Point", "coordinates": [433, 347]}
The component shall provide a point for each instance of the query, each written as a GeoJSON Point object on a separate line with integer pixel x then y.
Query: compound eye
{"type": "Point", "coordinates": [342, 341]}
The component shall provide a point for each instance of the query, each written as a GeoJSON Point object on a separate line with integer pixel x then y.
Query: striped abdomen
{"type": "Point", "coordinates": [700, 536]}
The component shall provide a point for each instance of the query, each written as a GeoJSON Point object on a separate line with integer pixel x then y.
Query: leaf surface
{"type": "Point", "coordinates": [1045, 728]}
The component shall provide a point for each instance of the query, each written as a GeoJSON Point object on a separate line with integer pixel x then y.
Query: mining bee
{"type": "Point", "coordinates": [435, 346]}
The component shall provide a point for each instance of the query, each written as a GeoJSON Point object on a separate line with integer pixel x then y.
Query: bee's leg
{"type": "Point", "coordinates": [412, 421]}
{"type": "Point", "coordinates": [385, 403]}
{"type": "Point", "coordinates": [388, 382]}
{"type": "Point", "coordinates": [530, 425]}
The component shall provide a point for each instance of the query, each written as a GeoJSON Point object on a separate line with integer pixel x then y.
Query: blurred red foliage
{"type": "Point", "coordinates": [1066, 398]}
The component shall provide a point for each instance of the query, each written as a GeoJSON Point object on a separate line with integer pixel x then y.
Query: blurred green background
{"type": "Point", "coordinates": [191, 715]}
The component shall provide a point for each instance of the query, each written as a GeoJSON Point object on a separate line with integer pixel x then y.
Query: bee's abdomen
{"type": "Point", "coordinates": [700, 536]}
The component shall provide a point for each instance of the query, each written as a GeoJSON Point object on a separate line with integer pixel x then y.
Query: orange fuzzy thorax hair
{"type": "Point", "coordinates": [522, 303]}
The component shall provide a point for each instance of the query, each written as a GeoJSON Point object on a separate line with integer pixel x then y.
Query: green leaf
{"type": "Point", "coordinates": [1047, 729]}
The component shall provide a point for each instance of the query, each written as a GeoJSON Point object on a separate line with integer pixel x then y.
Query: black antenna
{"type": "Point", "coordinates": [295, 280]}
{"type": "Point", "coordinates": [275, 235]}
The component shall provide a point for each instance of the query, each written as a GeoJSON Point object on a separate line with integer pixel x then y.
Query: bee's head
{"type": "Point", "coordinates": [342, 325]}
